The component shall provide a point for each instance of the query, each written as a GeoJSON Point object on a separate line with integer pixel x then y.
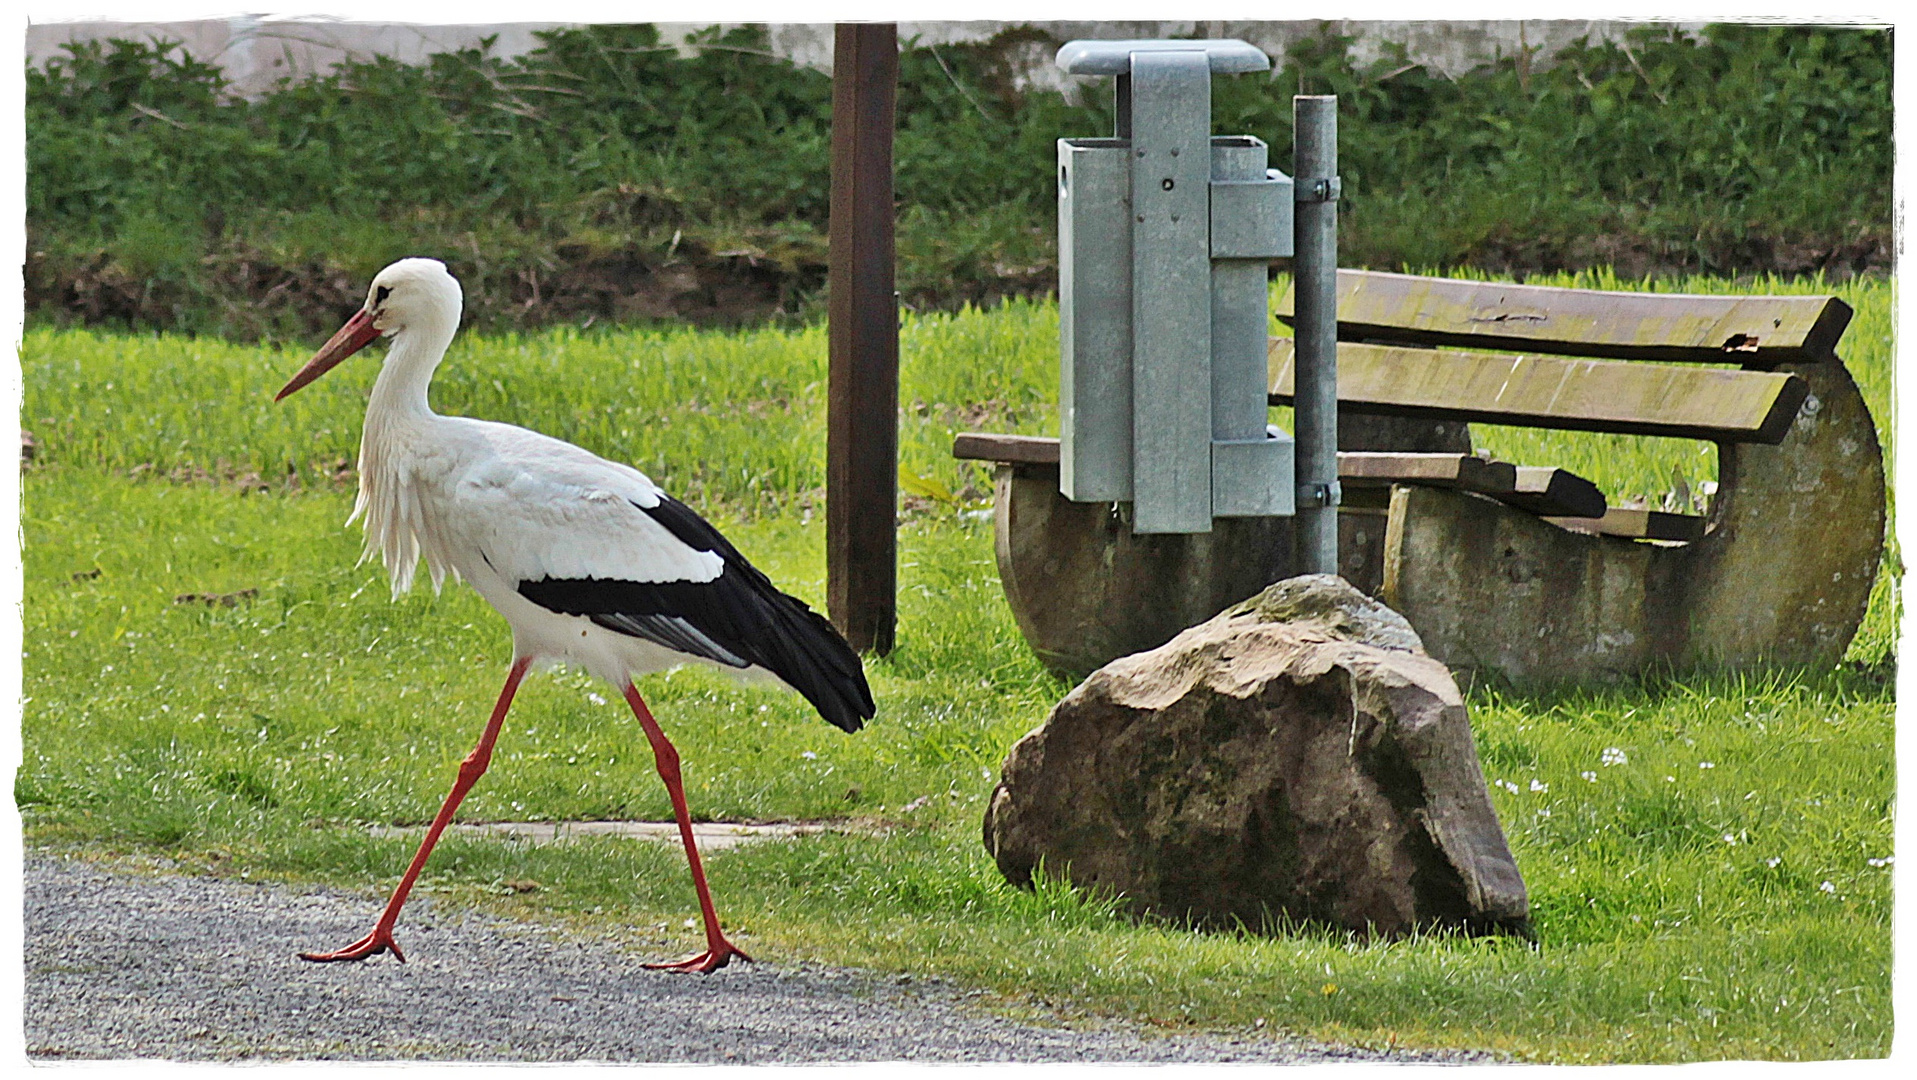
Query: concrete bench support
{"type": "Point", "coordinates": [1782, 574]}
{"type": "Point", "coordinates": [1085, 588]}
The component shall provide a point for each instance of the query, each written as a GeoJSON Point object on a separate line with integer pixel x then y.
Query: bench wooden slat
{"type": "Point", "coordinates": [1355, 468]}
{"type": "Point", "coordinates": [1637, 524]}
{"type": "Point", "coordinates": [1755, 331]}
{"type": "Point", "coordinates": [1369, 468]}
{"type": "Point", "coordinates": [1539, 489]}
{"type": "Point", "coordinates": [1717, 404]}
{"type": "Point", "coordinates": [1548, 491]}
{"type": "Point", "coordinates": [1017, 449]}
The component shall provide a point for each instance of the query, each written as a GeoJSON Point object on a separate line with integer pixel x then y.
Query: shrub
{"type": "Point", "coordinates": [569, 177]}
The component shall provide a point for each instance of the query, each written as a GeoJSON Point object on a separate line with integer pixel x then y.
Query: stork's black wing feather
{"type": "Point", "coordinates": [739, 619]}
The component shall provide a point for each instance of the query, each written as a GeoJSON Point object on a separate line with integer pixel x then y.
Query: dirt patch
{"type": "Point", "coordinates": [726, 289]}
{"type": "Point", "coordinates": [1634, 257]}
{"type": "Point", "coordinates": [246, 295]}
{"type": "Point", "coordinates": [231, 599]}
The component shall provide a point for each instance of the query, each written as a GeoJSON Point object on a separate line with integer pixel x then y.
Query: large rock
{"type": "Point", "coordinates": [1297, 757]}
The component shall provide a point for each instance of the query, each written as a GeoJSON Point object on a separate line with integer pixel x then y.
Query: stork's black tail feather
{"type": "Point", "coordinates": [739, 619]}
{"type": "Point", "coordinates": [808, 652]}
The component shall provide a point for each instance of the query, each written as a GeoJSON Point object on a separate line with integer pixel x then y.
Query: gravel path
{"type": "Point", "coordinates": [125, 964]}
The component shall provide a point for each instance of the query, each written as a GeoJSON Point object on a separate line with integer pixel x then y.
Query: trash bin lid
{"type": "Point", "coordinates": [1228, 56]}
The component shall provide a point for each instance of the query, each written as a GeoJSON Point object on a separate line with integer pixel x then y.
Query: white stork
{"type": "Point", "coordinates": [590, 562]}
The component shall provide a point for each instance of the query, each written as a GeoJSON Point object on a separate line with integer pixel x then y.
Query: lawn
{"type": "Point", "coordinates": [1708, 856]}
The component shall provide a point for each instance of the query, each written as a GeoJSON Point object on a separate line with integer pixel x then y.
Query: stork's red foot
{"type": "Point", "coordinates": [379, 941]}
{"type": "Point", "coordinates": [711, 960]}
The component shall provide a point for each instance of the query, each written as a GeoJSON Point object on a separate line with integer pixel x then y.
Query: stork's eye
{"type": "Point", "coordinates": [381, 293]}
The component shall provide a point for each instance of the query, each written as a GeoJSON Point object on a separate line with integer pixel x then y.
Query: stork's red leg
{"type": "Point", "coordinates": [470, 770]}
{"type": "Point", "coordinates": [719, 952]}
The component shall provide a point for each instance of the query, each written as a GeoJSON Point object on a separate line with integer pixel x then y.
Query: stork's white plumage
{"type": "Point", "coordinates": [589, 561]}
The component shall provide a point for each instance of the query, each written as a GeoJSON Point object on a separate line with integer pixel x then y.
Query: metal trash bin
{"type": "Point", "coordinates": [1165, 234]}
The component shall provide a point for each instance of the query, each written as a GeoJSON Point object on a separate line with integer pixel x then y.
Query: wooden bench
{"type": "Point", "coordinates": [1517, 570]}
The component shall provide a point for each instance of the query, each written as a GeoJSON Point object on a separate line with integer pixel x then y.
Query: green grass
{"type": "Point", "coordinates": [729, 417]}
{"type": "Point", "coordinates": [1682, 909]}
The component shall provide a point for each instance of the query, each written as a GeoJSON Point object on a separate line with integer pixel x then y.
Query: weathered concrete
{"type": "Point", "coordinates": [1085, 589]}
{"type": "Point", "coordinates": [1782, 575]}
{"type": "Point", "coordinates": [1365, 514]}
{"type": "Point", "coordinates": [1298, 757]}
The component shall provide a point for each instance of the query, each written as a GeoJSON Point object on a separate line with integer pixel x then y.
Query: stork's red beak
{"type": "Point", "coordinates": [358, 332]}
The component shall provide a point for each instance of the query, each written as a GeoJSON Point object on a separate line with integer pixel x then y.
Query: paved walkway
{"type": "Point", "coordinates": [125, 964]}
{"type": "Point", "coordinates": [711, 835]}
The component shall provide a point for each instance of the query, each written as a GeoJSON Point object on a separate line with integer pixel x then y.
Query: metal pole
{"type": "Point", "coordinates": [862, 394]}
{"type": "Point", "coordinates": [1315, 265]}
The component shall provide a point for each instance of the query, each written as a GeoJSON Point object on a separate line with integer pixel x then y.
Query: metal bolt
{"type": "Point", "coordinates": [1320, 494]}
{"type": "Point", "coordinates": [1166, 183]}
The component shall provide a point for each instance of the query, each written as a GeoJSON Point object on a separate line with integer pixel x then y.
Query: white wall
{"type": "Point", "coordinates": [256, 51]}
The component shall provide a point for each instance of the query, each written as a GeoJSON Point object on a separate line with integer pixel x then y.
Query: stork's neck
{"type": "Point", "coordinates": [399, 394]}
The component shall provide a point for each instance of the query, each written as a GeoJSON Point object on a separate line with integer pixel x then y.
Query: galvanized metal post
{"type": "Point", "coordinates": [1315, 264]}
{"type": "Point", "coordinates": [862, 396]}
{"type": "Point", "coordinates": [1171, 292]}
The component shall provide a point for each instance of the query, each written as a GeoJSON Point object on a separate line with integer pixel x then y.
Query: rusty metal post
{"type": "Point", "coordinates": [1315, 264]}
{"type": "Point", "coordinates": [862, 435]}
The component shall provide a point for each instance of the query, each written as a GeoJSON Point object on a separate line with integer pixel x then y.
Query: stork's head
{"type": "Point", "coordinates": [411, 294]}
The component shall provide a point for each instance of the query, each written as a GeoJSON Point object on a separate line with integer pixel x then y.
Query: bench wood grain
{"type": "Point", "coordinates": [1716, 404]}
{"type": "Point", "coordinates": [1636, 524]}
{"type": "Point", "coordinates": [1539, 489]}
{"type": "Point", "coordinates": [1754, 331]}
{"type": "Point", "coordinates": [1013, 449]}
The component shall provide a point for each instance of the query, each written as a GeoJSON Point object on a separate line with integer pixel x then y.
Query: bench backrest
{"type": "Point", "coordinates": [1400, 334]}
{"type": "Point", "coordinates": [1716, 404]}
{"type": "Point", "coordinates": [1754, 331]}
